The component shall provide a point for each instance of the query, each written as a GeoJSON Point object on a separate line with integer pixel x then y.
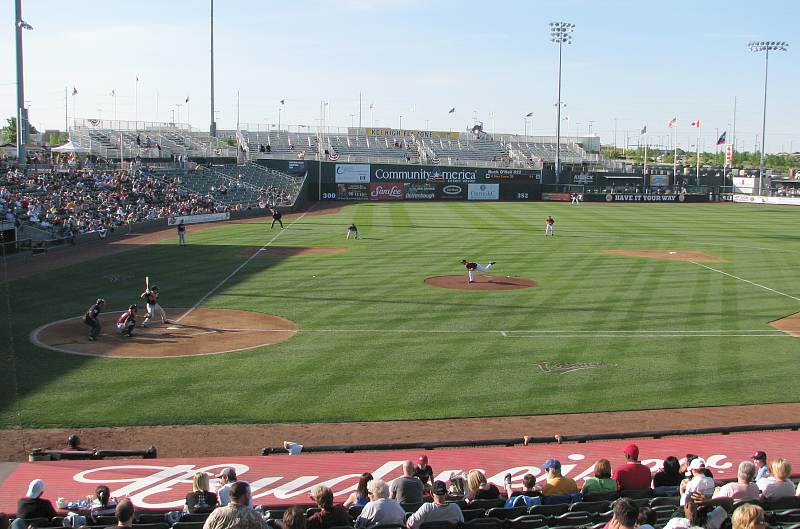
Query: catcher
{"type": "Point", "coordinates": [127, 321]}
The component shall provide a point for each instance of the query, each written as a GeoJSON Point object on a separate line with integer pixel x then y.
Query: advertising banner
{"type": "Point", "coordinates": [637, 197]}
{"type": "Point", "coordinates": [197, 219]}
{"type": "Point", "coordinates": [387, 191]}
{"type": "Point", "coordinates": [659, 180]}
{"type": "Point", "coordinates": [556, 197]}
{"type": "Point", "coordinates": [421, 191]}
{"type": "Point", "coordinates": [296, 167]}
{"type": "Point", "coordinates": [449, 174]}
{"type": "Point", "coordinates": [352, 192]}
{"type": "Point", "coordinates": [451, 192]}
{"type": "Point", "coordinates": [352, 173]}
{"type": "Point", "coordinates": [483, 191]}
{"type": "Point", "coordinates": [583, 179]}
{"type": "Point", "coordinates": [780, 201]}
{"type": "Point", "coordinates": [520, 191]}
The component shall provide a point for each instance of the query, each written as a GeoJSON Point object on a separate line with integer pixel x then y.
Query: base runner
{"type": "Point", "coordinates": [150, 296]}
{"type": "Point", "coordinates": [127, 321]}
{"type": "Point", "coordinates": [471, 267]}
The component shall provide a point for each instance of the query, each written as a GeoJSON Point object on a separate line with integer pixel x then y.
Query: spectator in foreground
{"type": "Point", "coordinates": [33, 505]}
{"type": "Point", "coordinates": [359, 496]}
{"type": "Point", "coordinates": [237, 514]}
{"type": "Point", "coordinates": [667, 480]}
{"type": "Point", "coordinates": [699, 482]}
{"type": "Point", "coordinates": [626, 514]}
{"type": "Point", "coordinates": [380, 510]}
{"type": "Point", "coordinates": [760, 461]}
{"type": "Point", "coordinates": [749, 516]}
{"type": "Point", "coordinates": [697, 516]}
{"type": "Point", "coordinates": [480, 489]}
{"type": "Point", "coordinates": [601, 482]}
{"type": "Point", "coordinates": [200, 500]}
{"type": "Point", "coordinates": [647, 518]}
{"type": "Point", "coordinates": [294, 518]}
{"type": "Point", "coordinates": [329, 515]}
{"type": "Point", "coordinates": [743, 489]}
{"type": "Point", "coordinates": [102, 504]}
{"type": "Point", "coordinates": [557, 485]}
{"type": "Point", "coordinates": [424, 472]}
{"type": "Point", "coordinates": [228, 478]}
{"type": "Point", "coordinates": [124, 513]}
{"type": "Point", "coordinates": [407, 488]}
{"type": "Point", "coordinates": [632, 475]}
{"type": "Point", "coordinates": [438, 510]}
{"type": "Point", "coordinates": [778, 485]}
{"type": "Point", "coordinates": [529, 487]}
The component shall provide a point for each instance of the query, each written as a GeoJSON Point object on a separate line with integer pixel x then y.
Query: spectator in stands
{"type": "Point", "coordinates": [329, 515]}
{"type": "Point", "coordinates": [424, 471]}
{"type": "Point", "coordinates": [438, 510]}
{"type": "Point", "coordinates": [760, 461]}
{"type": "Point", "coordinates": [4, 522]}
{"type": "Point", "coordinates": [697, 516]}
{"type": "Point", "coordinates": [294, 518]}
{"type": "Point", "coordinates": [359, 497]}
{"type": "Point", "coordinates": [407, 488]}
{"type": "Point", "coordinates": [689, 459]}
{"type": "Point", "coordinates": [557, 485]}
{"type": "Point", "coordinates": [200, 500]}
{"type": "Point", "coordinates": [228, 478]}
{"type": "Point", "coordinates": [478, 488]}
{"type": "Point", "coordinates": [743, 489]}
{"type": "Point", "coordinates": [601, 482]}
{"type": "Point", "coordinates": [632, 475]}
{"type": "Point", "coordinates": [778, 485]}
{"type": "Point", "coordinates": [381, 510]}
{"type": "Point", "coordinates": [124, 512]}
{"type": "Point", "coordinates": [33, 505]}
{"type": "Point", "coordinates": [102, 504]}
{"type": "Point", "coordinates": [667, 480]}
{"type": "Point", "coordinates": [529, 487]}
{"type": "Point", "coordinates": [647, 518]}
{"type": "Point", "coordinates": [237, 514]}
{"type": "Point", "coordinates": [699, 482]}
{"type": "Point", "coordinates": [749, 516]}
{"type": "Point", "coordinates": [626, 513]}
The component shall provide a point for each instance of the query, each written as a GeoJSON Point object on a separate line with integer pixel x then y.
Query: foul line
{"type": "Point", "coordinates": [210, 292]}
{"type": "Point", "coordinates": [745, 280]}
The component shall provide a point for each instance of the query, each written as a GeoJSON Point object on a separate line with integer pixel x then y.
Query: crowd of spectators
{"type": "Point", "coordinates": [74, 201]}
{"type": "Point", "coordinates": [416, 498]}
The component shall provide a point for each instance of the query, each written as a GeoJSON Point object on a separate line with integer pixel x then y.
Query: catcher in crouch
{"type": "Point", "coordinates": [471, 267]}
{"type": "Point", "coordinates": [150, 296]}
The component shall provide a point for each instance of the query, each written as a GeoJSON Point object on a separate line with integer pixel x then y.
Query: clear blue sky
{"type": "Point", "coordinates": [639, 61]}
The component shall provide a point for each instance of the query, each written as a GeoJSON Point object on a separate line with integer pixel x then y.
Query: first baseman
{"type": "Point", "coordinates": [150, 296]}
{"type": "Point", "coordinates": [471, 267]}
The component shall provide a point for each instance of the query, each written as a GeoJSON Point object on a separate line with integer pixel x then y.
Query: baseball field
{"type": "Point", "coordinates": [635, 306]}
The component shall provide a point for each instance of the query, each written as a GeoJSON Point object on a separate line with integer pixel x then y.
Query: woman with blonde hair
{"type": "Point", "coordinates": [778, 485]}
{"type": "Point", "coordinates": [749, 516]}
{"type": "Point", "coordinates": [479, 489]}
{"type": "Point", "coordinates": [200, 500]}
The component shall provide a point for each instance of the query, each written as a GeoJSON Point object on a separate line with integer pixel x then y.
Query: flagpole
{"type": "Point", "coordinates": [734, 130]}
{"type": "Point", "coordinates": [644, 169]}
{"type": "Point", "coordinates": [698, 153]}
{"type": "Point", "coordinates": [675, 155]}
{"type": "Point", "coordinates": [66, 111]}
{"type": "Point", "coordinates": [359, 111]}
{"type": "Point", "coordinates": [136, 105]}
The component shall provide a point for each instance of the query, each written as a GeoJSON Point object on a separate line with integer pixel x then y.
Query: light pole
{"type": "Point", "coordinates": [212, 130]}
{"type": "Point", "coordinates": [22, 114]}
{"type": "Point", "coordinates": [528, 116]}
{"type": "Point", "coordinates": [766, 47]}
{"type": "Point", "coordinates": [560, 33]}
{"type": "Point", "coordinates": [401, 122]}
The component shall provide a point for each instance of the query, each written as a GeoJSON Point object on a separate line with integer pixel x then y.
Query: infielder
{"type": "Point", "coordinates": [91, 318]}
{"type": "Point", "coordinates": [181, 233]}
{"type": "Point", "coordinates": [352, 230]}
{"type": "Point", "coordinates": [548, 226]}
{"type": "Point", "coordinates": [276, 217]}
{"type": "Point", "coordinates": [471, 267]}
{"type": "Point", "coordinates": [127, 321]}
{"type": "Point", "coordinates": [150, 296]}
{"type": "Point", "coordinates": [575, 197]}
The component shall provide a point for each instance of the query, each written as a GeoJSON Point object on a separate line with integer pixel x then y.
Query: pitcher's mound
{"type": "Point", "coordinates": [203, 332]}
{"type": "Point", "coordinates": [291, 251]}
{"type": "Point", "coordinates": [789, 324]}
{"type": "Point", "coordinates": [674, 255]}
{"type": "Point", "coordinates": [482, 282]}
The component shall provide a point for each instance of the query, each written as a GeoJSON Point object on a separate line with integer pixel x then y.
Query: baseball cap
{"type": "Point", "coordinates": [696, 464]}
{"type": "Point", "coordinates": [632, 451]}
{"type": "Point", "coordinates": [551, 463]}
{"type": "Point", "coordinates": [423, 458]}
{"type": "Point", "coordinates": [228, 473]}
{"type": "Point", "coordinates": [439, 488]}
{"type": "Point", "coordinates": [35, 488]}
{"type": "Point", "coordinates": [760, 455]}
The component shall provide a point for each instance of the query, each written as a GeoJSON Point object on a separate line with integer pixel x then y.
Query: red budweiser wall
{"type": "Point", "coordinates": [284, 479]}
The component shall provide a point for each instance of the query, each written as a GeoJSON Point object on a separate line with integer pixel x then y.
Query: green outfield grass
{"type": "Point", "coordinates": [376, 343]}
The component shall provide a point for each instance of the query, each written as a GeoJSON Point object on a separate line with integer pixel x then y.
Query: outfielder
{"type": "Point", "coordinates": [548, 226]}
{"type": "Point", "coordinates": [471, 267]}
{"type": "Point", "coordinates": [150, 295]}
{"type": "Point", "coordinates": [352, 230]}
{"type": "Point", "coordinates": [181, 233]}
{"type": "Point", "coordinates": [127, 321]}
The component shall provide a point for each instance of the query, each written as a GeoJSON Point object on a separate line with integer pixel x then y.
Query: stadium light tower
{"type": "Point", "coordinates": [766, 47]}
{"type": "Point", "coordinates": [560, 33]}
{"type": "Point", "coordinates": [22, 113]}
{"type": "Point", "coordinates": [212, 130]}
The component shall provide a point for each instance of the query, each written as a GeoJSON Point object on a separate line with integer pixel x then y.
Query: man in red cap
{"type": "Point", "coordinates": [424, 472]}
{"type": "Point", "coordinates": [632, 475]}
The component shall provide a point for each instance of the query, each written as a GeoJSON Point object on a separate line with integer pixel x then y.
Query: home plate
{"type": "Point", "coordinates": [672, 253]}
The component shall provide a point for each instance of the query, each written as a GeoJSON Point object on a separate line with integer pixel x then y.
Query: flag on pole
{"type": "Point", "coordinates": [696, 124]}
{"type": "Point", "coordinates": [114, 93]}
{"type": "Point", "coordinates": [283, 101]}
{"type": "Point", "coordinates": [452, 110]}
{"type": "Point", "coordinates": [137, 78]}
{"type": "Point", "coordinates": [529, 115]}
{"type": "Point", "coordinates": [721, 139]}
{"type": "Point", "coordinates": [673, 123]}
{"type": "Point", "coordinates": [74, 91]}
{"type": "Point", "coordinates": [644, 130]}
{"type": "Point", "coordinates": [371, 106]}
{"type": "Point", "coordinates": [187, 99]}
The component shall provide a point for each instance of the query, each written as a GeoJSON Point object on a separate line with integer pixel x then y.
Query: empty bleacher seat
{"type": "Point", "coordinates": [484, 523]}
{"type": "Point", "coordinates": [471, 514]}
{"type": "Point", "coordinates": [570, 519]}
{"type": "Point", "coordinates": [556, 509]}
{"type": "Point", "coordinates": [504, 514]}
{"type": "Point", "coordinates": [439, 525]}
{"type": "Point", "coordinates": [590, 506]}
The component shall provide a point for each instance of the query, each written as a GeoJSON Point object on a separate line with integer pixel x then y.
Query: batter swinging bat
{"type": "Point", "coordinates": [147, 282]}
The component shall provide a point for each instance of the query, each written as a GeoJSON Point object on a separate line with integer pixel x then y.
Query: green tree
{"type": "Point", "coordinates": [9, 132]}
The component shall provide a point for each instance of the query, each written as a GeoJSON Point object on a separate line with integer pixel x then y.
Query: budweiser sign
{"type": "Point", "coordinates": [284, 479]}
{"type": "Point", "coordinates": [386, 191]}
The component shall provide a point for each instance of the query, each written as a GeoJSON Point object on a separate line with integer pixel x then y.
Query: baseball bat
{"type": "Point", "coordinates": [147, 282]}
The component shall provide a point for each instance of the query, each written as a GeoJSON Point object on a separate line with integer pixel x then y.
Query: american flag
{"type": "Point", "coordinates": [332, 154]}
{"type": "Point", "coordinates": [673, 123]}
{"type": "Point", "coordinates": [696, 124]}
{"type": "Point", "coordinates": [644, 130]}
{"type": "Point", "coordinates": [434, 161]}
{"type": "Point", "coordinates": [721, 140]}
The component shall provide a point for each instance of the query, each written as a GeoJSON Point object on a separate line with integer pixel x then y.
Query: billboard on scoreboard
{"type": "Point", "coordinates": [352, 173]}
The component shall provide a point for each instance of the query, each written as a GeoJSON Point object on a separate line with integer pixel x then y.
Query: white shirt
{"type": "Point", "coordinates": [715, 520]}
{"type": "Point", "coordinates": [702, 484]}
